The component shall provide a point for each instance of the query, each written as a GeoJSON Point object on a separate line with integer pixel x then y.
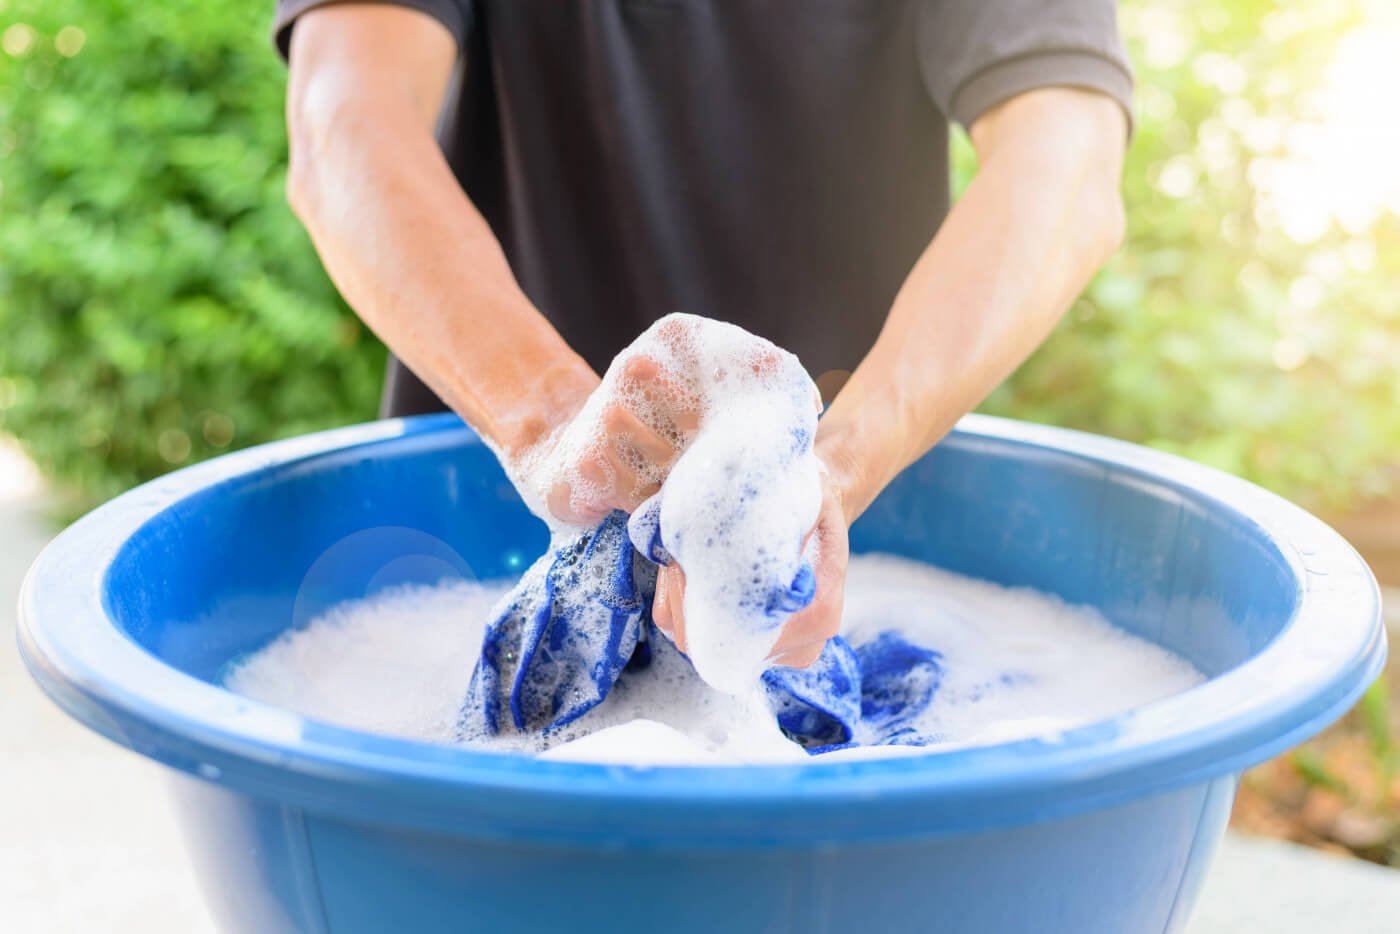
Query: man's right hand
{"type": "Point", "coordinates": [616, 451]}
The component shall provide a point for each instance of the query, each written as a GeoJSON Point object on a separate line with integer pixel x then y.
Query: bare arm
{"type": "Point", "coordinates": [1040, 217]}
{"type": "Point", "coordinates": [401, 240]}
{"type": "Point", "coordinates": [1042, 214]}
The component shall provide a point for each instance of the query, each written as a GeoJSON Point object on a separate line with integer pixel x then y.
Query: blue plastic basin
{"type": "Point", "coordinates": [296, 825]}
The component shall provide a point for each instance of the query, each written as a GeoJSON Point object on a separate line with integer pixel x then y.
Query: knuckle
{"type": "Point", "coordinates": [672, 326]}
{"type": "Point", "coordinates": [616, 419]}
{"type": "Point", "coordinates": [593, 471]}
{"type": "Point", "coordinates": [639, 368]}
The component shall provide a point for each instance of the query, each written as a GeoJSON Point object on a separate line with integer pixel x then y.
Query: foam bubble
{"type": "Point", "coordinates": [636, 742]}
{"type": "Point", "coordinates": [395, 663]}
{"type": "Point", "coordinates": [1016, 663]}
{"type": "Point", "coordinates": [737, 502]}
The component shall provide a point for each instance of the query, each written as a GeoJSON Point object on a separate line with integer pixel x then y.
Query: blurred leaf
{"type": "Point", "coordinates": [1310, 766]}
{"type": "Point", "coordinates": [1212, 334]}
{"type": "Point", "coordinates": [151, 275]}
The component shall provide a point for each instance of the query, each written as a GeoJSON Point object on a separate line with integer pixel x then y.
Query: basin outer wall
{"type": "Point", "coordinates": [296, 825]}
{"type": "Point", "coordinates": [268, 868]}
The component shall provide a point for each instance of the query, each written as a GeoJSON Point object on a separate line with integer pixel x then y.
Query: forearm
{"type": "Point", "coordinates": [420, 265]}
{"type": "Point", "coordinates": [1038, 219]}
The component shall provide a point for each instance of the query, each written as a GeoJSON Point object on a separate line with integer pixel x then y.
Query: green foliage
{"type": "Point", "coordinates": [158, 302]}
{"type": "Point", "coordinates": [1379, 727]}
{"type": "Point", "coordinates": [1314, 771]}
{"type": "Point", "coordinates": [1214, 334]}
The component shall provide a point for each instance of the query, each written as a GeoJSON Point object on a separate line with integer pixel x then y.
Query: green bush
{"type": "Point", "coordinates": [1213, 334]}
{"type": "Point", "coordinates": [159, 304]}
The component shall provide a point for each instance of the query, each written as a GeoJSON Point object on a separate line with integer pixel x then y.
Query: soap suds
{"type": "Point", "coordinates": [1017, 663]}
{"type": "Point", "coordinates": [737, 502]}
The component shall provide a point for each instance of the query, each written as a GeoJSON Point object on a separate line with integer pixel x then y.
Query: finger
{"type": "Point", "coordinates": [801, 656]}
{"type": "Point", "coordinates": [584, 502]}
{"type": "Point", "coordinates": [672, 409]}
{"type": "Point", "coordinates": [661, 604]}
{"type": "Point", "coordinates": [637, 443]}
{"type": "Point", "coordinates": [626, 488]}
{"type": "Point", "coordinates": [765, 362]}
{"type": "Point", "coordinates": [805, 634]}
{"type": "Point", "coordinates": [651, 446]}
{"type": "Point", "coordinates": [626, 468]}
{"type": "Point", "coordinates": [668, 607]}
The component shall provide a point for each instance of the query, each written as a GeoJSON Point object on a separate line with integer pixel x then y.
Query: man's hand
{"type": "Point", "coordinates": [804, 635]}
{"type": "Point", "coordinates": [618, 449]}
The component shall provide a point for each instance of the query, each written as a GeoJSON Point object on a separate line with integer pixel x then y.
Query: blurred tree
{"type": "Point", "coordinates": [159, 304]}
{"type": "Point", "coordinates": [1244, 325]}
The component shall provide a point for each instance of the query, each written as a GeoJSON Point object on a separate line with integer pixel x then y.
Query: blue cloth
{"type": "Point", "coordinates": [581, 615]}
{"type": "Point", "coordinates": [563, 636]}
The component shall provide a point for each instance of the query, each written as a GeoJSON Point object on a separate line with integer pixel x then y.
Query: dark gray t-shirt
{"type": "Point", "coordinates": [775, 163]}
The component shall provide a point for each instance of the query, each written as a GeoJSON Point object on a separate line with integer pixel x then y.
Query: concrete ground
{"type": "Point", "coordinates": [88, 845]}
{"type": "Point", "coordinates": [86, 840]}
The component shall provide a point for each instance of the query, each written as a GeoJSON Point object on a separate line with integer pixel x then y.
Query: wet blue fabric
{"type": "Point", "coordinates": [563, 636]}
{"type": "Point", "coordinates": [867, 695]}
{"type": "Point", "coordinates": [898, 679]}
{"type": "Point", "coordinates": [581, 615]}
{"type": "Point", "coordinates": [776, 599]}
{"type": "Point", "coordinates": [818, 705]}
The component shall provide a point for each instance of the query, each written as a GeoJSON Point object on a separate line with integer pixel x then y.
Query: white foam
{"type": "Point", "coordinates": [738, 500]}
{"type": "Point", "coordinates": [1017, 663]}
{"type": "Point", "coordinates": [636, 742]}
{"type": "Point", "coordinates": [397, 663]}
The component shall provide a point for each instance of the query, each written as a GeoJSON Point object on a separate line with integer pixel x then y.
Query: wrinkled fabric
{"type": "Point", "coordinates": [563, 635]}
{"type": "Point", "coordinates": [581, 616]}
{"type": "Point", "coordinates": [898, 681]}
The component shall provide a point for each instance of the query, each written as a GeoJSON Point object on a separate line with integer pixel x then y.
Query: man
{"type": "Point", "coordinates": [509, 191]}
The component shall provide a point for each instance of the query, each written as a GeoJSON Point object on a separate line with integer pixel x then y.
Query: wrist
{"type": "Point", "coordinates": [847, 470]}
{"type": "Point", "coordinates": [863, 439]}
{"type": "Point", "coordinates": [559, 392]}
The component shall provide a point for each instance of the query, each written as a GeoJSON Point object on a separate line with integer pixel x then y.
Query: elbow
{"type": "Point", "coordinates": [302, 164]}
{"type": "Point", "coordinates": [1102, 191]}
{"type": "Point", "coordinates": [1112, 222]}
{"type": "Point", "coordinates": [298, 186]}
{"type": "Point", "coordinates": [298, 192]}
{"type": "Point", "coordinates": [336, 137]}
{"type": "Point", "coordinates": [321, 121]}
{"type": "Point", "coordinates": [1104, 221]}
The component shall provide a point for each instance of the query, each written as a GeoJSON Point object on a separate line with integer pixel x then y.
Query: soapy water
{"type": "Point", "coordinates": [1016, 663]}
{"type": "Point", "coordinates": [738, 500]}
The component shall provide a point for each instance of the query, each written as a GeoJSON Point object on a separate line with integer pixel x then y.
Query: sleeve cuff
{"type": "Point", "coordinates": [446, 12]}
{"type": "Point", "coordinates": [1005, 79]}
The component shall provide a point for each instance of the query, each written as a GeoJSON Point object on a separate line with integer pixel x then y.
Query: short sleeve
{"type": "Point", "coordinates": [453, 14]}
{"type": "Point", "coordinates": [977, 53]}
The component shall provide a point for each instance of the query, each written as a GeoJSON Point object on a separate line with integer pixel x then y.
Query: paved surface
{"type": "Point", "coordinates": [88, 845]}
{"type": "Point", "coordinates": [1258, 886]}
{"type": "Point", "coordinates": [86, 841]}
